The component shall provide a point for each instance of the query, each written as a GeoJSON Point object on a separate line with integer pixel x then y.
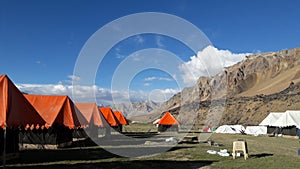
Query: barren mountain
{"type": "Point", "coordinates": [135, 108]}
{"type": "Point", "coordinates": [243, 93]}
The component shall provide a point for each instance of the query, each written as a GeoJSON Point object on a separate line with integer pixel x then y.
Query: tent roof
{"type": "Point", "coordinates": [256, 130]}
{"type": "Point", "coordinates": [271, 118]}
{"type": "Point", "coordinates": [109, 116]}
{"type": "Point", "coordinates": [168, 119]}
{"type": "Point", "coordinates": [91, 113]}
{"type": "Point", "coordinates": [230, 129]}
{"type": "Point", "coordinates": [57, 110]}
{"type": "Point", "coordinates": [289, 118]}
{"type": "Point", "coordinates": [15, 110]}
{"type": "Point", "coordinates": [122, 120]}
{"type": "Point", "coordinates": [156, 121]}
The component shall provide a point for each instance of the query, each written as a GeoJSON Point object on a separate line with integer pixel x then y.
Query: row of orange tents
{"type": "Point", "coordinates": [18, 110]}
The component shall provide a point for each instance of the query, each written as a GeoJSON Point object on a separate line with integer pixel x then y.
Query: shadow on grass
{"type": "Point", "coordinates": [140, 134]}
{"type": "Point", "coordinates": [136, 164]}
{"type": "Point", "coordinates": [75, 155]}
{"type": "Point", "coordinates": [143, 151]}
{"type": "Point", "coordinates": [41, 156]}
{"type": "Point", "coordinates": [260, 155]}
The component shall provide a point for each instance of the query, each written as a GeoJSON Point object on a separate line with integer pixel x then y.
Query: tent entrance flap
{"type": "Point", "coordinates": [11, 145]}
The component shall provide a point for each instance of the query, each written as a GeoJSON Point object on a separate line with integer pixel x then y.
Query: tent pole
{"type": "Point", "coordinates": [4, 149]}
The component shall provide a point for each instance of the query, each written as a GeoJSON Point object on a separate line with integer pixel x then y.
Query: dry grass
{"type": "Point", "coordinates": [265, 152]}
{"type": "Point", "coordinates": [139, 127]}
{"type": "Point", "coordinates": [269, 84]}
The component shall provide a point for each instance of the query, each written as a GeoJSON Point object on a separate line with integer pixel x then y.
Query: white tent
{"type": "Point", "coordinates": [156, 121]}
{"type": "Point", "coordinates": [256, 130]}
{"type": "Point", "coordinates": [271, 119]}
{"type": "Point", "coordinates": [230, 129]}
{"type": "Point", "coordinates": [289, 118]}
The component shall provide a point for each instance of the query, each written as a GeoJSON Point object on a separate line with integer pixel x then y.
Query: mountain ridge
{"type": "Point", "coordinates": [135, 108]}
{"type": "Point", "coordinates": [258, 77]}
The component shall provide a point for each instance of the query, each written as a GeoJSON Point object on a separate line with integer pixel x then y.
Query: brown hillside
{"type": "Point", "coordinates": [243, 93]}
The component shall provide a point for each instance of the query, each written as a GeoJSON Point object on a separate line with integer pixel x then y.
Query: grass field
{"type": "Point", "coordinates": [265, 152]}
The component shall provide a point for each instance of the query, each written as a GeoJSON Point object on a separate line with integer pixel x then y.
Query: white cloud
{"type": "Point", "coordinates": [136, 57]}
{"type": "Point", "coordinates": [161, 95]}
{"type": "Point", "coordinates": [47, 89]}
{"type": "Point", "coordinates": [118, 49]}
{"type": "Point", "coordinates": [90, 93]}
{"type": "Point", "coordinates": [139, 39]}
{"type": "Point", "coordinates": [174, 76]}
{"type": "Point", "coordinates": [257, 51]}
{"type": "Point", "coordinates": [165, 79]}
{"type": "Point", "coordinates": [120, 56]}
{"type": "Point", "coordinates": [150, 78]}
{"type": "Point", "coordinates": [169, 91]}
{"type": "Point", "coordinates": [74, 78]}
{"type": "Point", "coordinates": [208, 62]}
{"type": "Point", "coordinates": [157, 78]}
{"type": "Point", "coordinates": [146, 84]}
{"type": "Point", "coordinates": [159, 40]}
{"type": "Point", "coordinates": [70, 80]}
{"type": "Point", "coordinates": [77, 93]}
{"type": "Point", "coordinates": [118, 53]}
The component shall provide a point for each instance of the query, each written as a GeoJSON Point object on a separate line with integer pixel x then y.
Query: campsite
{"type": "Point", "coordinates": [265, 152]}
{"type": "Point", "coordinates": [182, 84]}
{"type": "Point", "coordinates": [63, 139]}
{"type": "Point", "coordinates": [57, 133]}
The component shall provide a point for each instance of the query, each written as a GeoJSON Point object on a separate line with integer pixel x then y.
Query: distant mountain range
{"type": "Point", "coordinates": [136, 108]}
{"type": "Point", "coordinates": [241, 94]}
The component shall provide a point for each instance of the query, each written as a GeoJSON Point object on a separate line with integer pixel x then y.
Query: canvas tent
{"type": "Point", "coordinates": [156, 121]}
{"type": "Point", "coordinates": [110, 118]}
{"type": "Point", "coordinates": [270, 121]}
{"type": "Point", "coordinates": [121, 119]}
{"type": "Point", "coordinates": [208, 129]}
{"type": "Point", "coordinates": [231, 129]}
{"type": "Point", "coordinates": [15, 110]}
{"type": "Point", "coordinates": [271, 118]}
{"type": "Point", "coordinates": [94, 118]}
{"type": "Point", "coordinates": [167, 123]}
{"type": "Point", "coordinates": [256, 130]}
{"type": "Point", "coordinates": [61, 114]}
{"type": "Point", "coordinates": [15, 113]}
{"type": "Point", "coordinates": [92, 114]}
{"type": "Point", "coordinates": [288, 123]}
{"type": "Point", "coordinates": [289, 118]}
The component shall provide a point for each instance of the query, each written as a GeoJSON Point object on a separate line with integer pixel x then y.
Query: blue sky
{"type": "Point", "coordinates": [41, 40]}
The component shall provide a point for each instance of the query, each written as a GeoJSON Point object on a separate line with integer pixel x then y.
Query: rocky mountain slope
{"type": "Point", "coordinates": [135, 108]}
{"type": "Point", "coordinates": [241, 94]}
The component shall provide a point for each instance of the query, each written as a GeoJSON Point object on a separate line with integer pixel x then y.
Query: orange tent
{"type": "Point", "coordinates": [168, 119]}
{"type": "Point", "coordinates": [92, 114]}
{"type": "Point", "coordinates": [109, 116]}
{"type": "Point", "coordinates": [122, 120]}
{"type": "Point", "coordinates": [57, 110]}
{"type": "Point", "coordinates": [15, 110]}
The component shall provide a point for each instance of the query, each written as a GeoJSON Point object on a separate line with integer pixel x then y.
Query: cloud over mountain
{"type": "Point", "coordinates": [208, 62]}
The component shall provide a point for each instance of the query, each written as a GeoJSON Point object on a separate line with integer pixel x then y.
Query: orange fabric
{"type": "Point", "coordinates": [109, 116]}
{"type": "Point", "coordinates": [122, 120]}
{"type": "Point", "coordinates": [92, 114]}
{"type": "Point", "coordinates": [57, 109]}
{"type": "Point", "coordinates": [168, 119]}
{"type": "Point", "coordinates": [15, 110]}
